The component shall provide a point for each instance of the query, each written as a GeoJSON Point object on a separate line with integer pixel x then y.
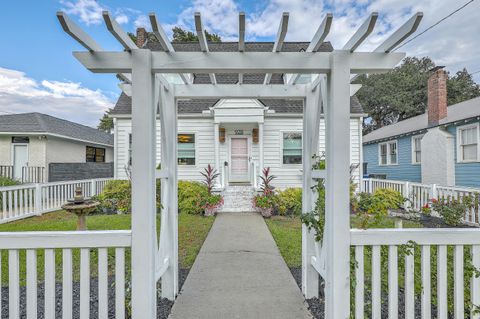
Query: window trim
{"type": "Point", "coordinates": [282, 132]}
{"type": "Point", "coordinates": [388, 153]}
{"type": "Point", "coordinates": [194, 147]}
{"type": "Point", "coordinates": [414, 137]}
{"type": "Point", "coordinates": [459, 145]}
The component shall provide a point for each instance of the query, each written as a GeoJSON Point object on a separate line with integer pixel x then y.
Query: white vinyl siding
{"type": "Point", "coordinates": [467, 143]}
{"type": "Point", "coordinates": [203, 128]}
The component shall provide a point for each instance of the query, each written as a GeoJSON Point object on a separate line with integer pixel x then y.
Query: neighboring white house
{"type": "Point", "coordinates": [237, 136]}
{"type": "Point", "coordinates": [36, 147]}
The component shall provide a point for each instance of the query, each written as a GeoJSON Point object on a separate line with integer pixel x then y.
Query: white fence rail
{"type": "Point", "coordinates": [420, 194]}
{"type": "Point", "coordinates": [427, 266]}
{"type": "Point", "coordinates": [70, 254]}
{"type": "Point", "coordinates": [21, 201]}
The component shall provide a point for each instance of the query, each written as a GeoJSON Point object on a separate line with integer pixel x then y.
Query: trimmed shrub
{"type": "Point", "coordinates": [5, 181]}
{"type": "Point", "coordinates": [289, 202]}
{"type": "Point", "coordinates": [192, 197]}
{"type": "Point", "coordinates": [117, 196]}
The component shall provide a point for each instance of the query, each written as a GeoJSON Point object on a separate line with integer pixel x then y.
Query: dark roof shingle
{"type": "Point", "coordinates": [124, 102]}
{"type": "Point", "coordinates": [43, 123]}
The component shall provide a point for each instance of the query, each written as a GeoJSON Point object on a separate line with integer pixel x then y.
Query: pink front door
{"type": "Point", "coordinates": [239, 158]}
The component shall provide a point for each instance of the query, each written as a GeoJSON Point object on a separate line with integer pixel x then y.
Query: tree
{"type": "Point", "coordinates": [402, 92]}
{"type": "Point", "coordinates": [181, 35]}
{"type": "Point", "coordinates": [106, 122]}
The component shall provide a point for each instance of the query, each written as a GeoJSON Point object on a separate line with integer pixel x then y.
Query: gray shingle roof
{"type": "Point", "coordinates": [43, 123]}
{"type": "Point", "coordinates": [124, 103]}
{"type": "Point", "coordinates": [457, 112]}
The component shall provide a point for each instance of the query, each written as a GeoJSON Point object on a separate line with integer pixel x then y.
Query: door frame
{"type": "Point", "coordinates": [249, 159]}
{"type": "Point", "coordinates": [12, 156]}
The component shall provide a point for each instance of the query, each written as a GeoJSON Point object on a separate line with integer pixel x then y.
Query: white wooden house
{"type": "Point", "coordinates": [237, 136]}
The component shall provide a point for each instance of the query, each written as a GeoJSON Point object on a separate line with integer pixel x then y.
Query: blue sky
{"type": "Point", "coordinates": [39, 73]}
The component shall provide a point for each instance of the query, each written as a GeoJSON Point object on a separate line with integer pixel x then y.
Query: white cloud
{"type": "Point", "coordinates": [142, 21]}
{"type": "Point", "coordinates": [68, 100]}
{"type": "Point", "coordinates": [89, 11]}
{"type": "Point", "coordinates": [122, 19]}
{"type": "Point", "coordinates": [454, 43]}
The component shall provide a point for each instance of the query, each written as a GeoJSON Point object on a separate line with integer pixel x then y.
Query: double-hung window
{"type": "Point", "coordinates": [388, 153]}
{"type": "Point", "coordinates": [467, 139]}
{"type": "Point", "coordinates": [292, 148]}
{"type": "Point", "coordinates": [186, 149]}
{"type": "Point", "coordinates": [416, 149]}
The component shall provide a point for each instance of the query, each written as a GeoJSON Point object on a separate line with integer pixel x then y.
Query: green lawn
{"type": "Point", "coordinates": [287, 233]}
{"type": "Point", "coordinates": [192, 231]}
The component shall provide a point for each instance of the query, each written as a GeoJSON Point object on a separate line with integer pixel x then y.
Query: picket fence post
{"type": "Point", "coordinates": [370, 186]}
{"type": "Point", "coordinates": [406, 194]}
{"type": "Point", "coordinates": [93, 188]}
{"type": "Point", "coordinates": [433, 191]}
{"type": "Point", "coordinates": [38, 199]}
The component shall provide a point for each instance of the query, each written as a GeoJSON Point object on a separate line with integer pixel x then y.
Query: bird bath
{"type": "Point", "coordinates": [81, 207]}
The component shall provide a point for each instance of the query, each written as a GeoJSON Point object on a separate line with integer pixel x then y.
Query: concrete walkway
{"type": "Point", "coordinates": [239, 273]}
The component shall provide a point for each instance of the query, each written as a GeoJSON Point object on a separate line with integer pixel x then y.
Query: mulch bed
{"type": "Point", "coordinates": [164, 306]}
{"type": "Point", "coordinates": [427, 221]}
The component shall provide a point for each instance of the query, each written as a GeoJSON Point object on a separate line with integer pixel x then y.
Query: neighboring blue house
{"type": "Point", "coordinates": [440, 147]}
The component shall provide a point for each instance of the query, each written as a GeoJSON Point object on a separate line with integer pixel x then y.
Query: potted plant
{"type": "Point", "coordinates": [213, 202]}
{"type": "Point", "coordinates": [265, 202]}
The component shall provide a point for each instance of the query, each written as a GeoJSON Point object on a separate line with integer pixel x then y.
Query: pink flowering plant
{"type": "Point", "coordinates": [265, 202]}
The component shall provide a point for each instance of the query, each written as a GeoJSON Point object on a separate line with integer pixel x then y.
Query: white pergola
{"type": "Point", "coordinates": [143, 72]}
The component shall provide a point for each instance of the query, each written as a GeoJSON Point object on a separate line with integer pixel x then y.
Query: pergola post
{"type": "Point", "coordinates": [168, 118]}
{"type": "Point", "coordinates": [144, 302]}
{"type": "Point", "coordinates": [337, 215]}
{"type": "Point", "coordinates": [311, 126]}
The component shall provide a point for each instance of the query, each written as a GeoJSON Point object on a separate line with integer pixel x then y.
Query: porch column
{"type": "Point", "coordinates": [260, 146]}
{"type": "Point", "coordinates": [216, 135]}
{"type": "Point", "coordinates": [337, 217]}
{"type": "Point", "coordinates": [144, 301]}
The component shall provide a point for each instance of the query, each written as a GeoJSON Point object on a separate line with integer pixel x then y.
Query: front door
{"type": "Point", "coordinates": [239, 159]}
{"type": "Point", "coordinates": [20, 159]}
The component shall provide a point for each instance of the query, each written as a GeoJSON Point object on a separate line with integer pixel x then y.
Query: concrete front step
{"type": "Point", "coordinates": [238, 199]}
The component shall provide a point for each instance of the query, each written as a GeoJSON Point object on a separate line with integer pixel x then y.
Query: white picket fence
{"type": "Point", "coordinates": [21, 201]}
{"type": "Point", "coordinates": [420, 194]}
{"type": "Point", "coordinates": [437, 253]}
{"type": "Point", "coordinates": [24, 252]}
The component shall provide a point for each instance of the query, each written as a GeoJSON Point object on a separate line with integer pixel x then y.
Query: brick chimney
{"type": "Point", "coordinates": [437, 96]}
{"type": "Point", "coordinates": [141, 37]}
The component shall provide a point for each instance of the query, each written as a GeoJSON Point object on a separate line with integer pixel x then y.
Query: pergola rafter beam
{"type": "Point", "coordinates": [118, 32]}
{"type": "Point", "coordinates": [316, 42]}
{"type": "Point", "coordinates": [401, 34]}
{"type": "Point", "coordinates": [241, 32]}
{"type": "Point", "coordinates": [238, 62]}
{"type": "Point", "coordinates": [202, 39]}
{"type": "Point", "coordinates": [277, 46]}
{"type": "Point", "coordinates": [362, 33]}
{"type": "Point", "coordinates": [162, 38]}
{"type": "Point", "coordinates": [241, 39]}
{"type": "Point", "coordinates": [73, 30]}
